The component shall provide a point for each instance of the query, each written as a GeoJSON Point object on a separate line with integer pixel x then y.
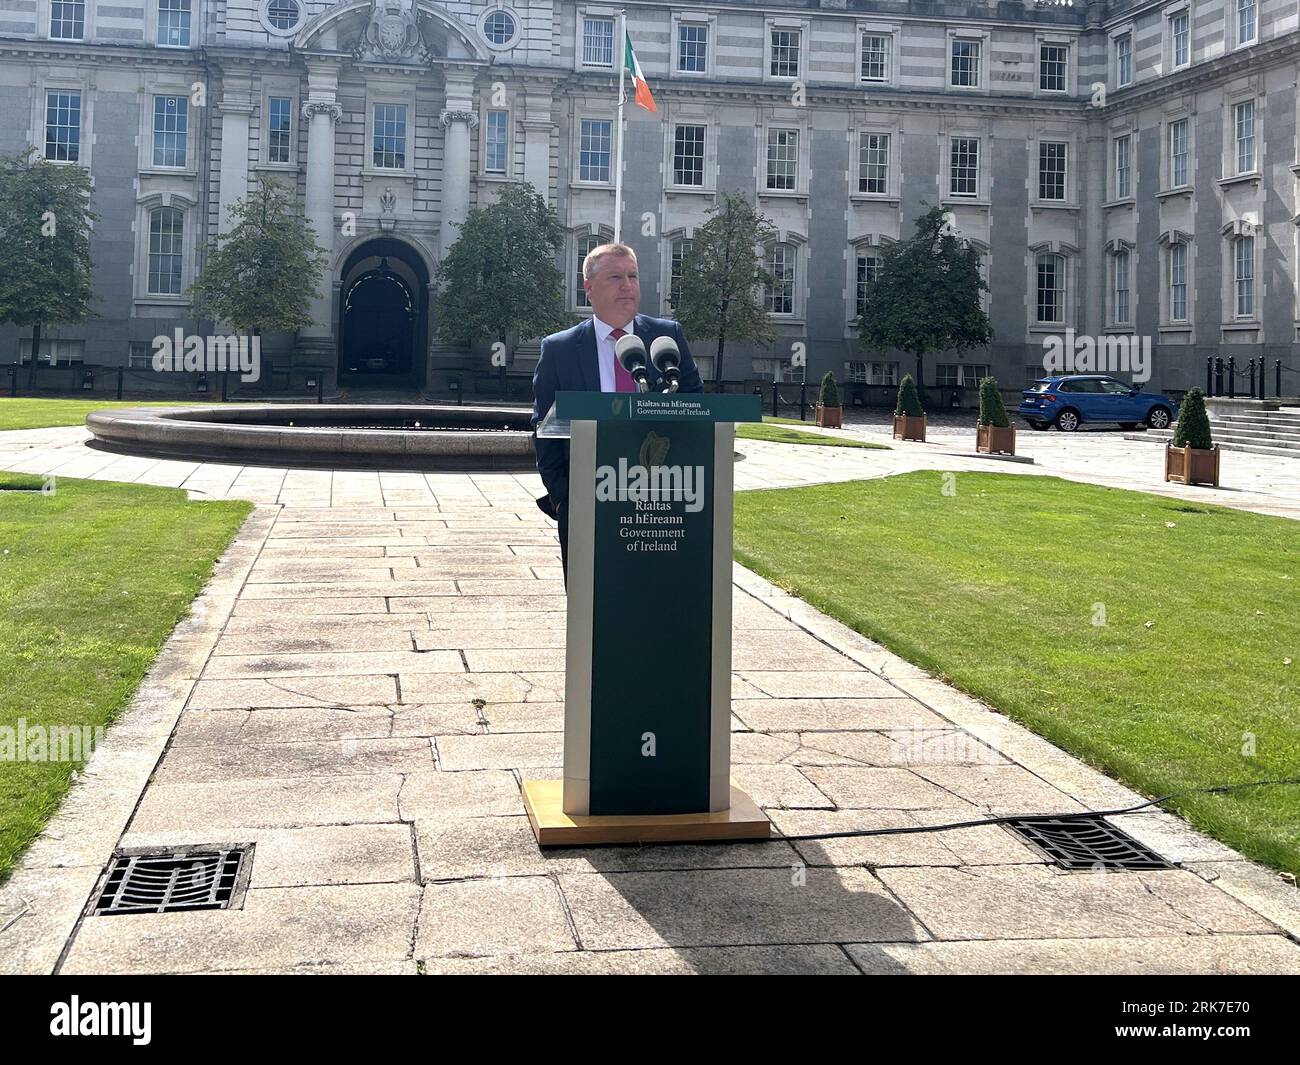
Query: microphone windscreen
{"type": "Point", "coordinates": [630, 351]}
{"type": "Point", "coordinates": [664, 353]}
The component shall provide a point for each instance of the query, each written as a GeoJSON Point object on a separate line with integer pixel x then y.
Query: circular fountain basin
{"type": "Point", "coordinates": [425, 437]}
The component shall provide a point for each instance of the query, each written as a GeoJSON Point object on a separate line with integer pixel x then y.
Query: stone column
{"type": "Point", "coordinates": [537, 126]}
{"type": "Point", "coordinates": [455, 176]}
{"type": "Point", "coordinates": [235, 108]}
{"type": "Point", "coordinates": [320, 112]}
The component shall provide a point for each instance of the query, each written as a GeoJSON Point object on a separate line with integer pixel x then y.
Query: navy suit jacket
{"type": "Point", "coordinates": [568, 363]}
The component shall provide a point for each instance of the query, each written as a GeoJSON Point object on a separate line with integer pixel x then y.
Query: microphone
{"type": "Point", "coordinates": [630, 351]}
{"type": "Point", "coordinates": [667, 359]}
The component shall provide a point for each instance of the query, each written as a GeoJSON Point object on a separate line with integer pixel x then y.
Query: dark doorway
{"type": "Point", "coordinates": [384, 316]}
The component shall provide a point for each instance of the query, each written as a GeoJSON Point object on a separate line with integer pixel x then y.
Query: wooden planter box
{"type": "Point", "coordinates": [1192, 465]}
{"type": "Point", "coordinates": [906, 428]}
{"type": "Point", "coordinates": [830, 417]}
{"type": "Point", "coordinates": [993, 440]}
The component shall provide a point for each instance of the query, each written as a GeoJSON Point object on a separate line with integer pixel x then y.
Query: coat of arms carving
{"type": "Point", "coordinates": [392, 34]}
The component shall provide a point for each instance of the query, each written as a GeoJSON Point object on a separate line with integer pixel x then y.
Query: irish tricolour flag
{"type": "Point", "coordinates": [643, 97]}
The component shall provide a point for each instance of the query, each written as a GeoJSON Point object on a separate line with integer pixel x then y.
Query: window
{"type": "Point", "coordinates": [692, 48]}
{"type": "Point", "coordinates": [1243, 115]}
{"type": "Point", "coordinates": [1178, 282]}
{"type": "Point", "coordinates": [63, 125]}
{"type": "Point", "coordinates": [778, 297]}
{"type": "Point", "coordinates": [499, 28]}
{"type": "Point", "coordinates": [882, 373]}
{"type": "Point", "coordinates": [1246, 26]}
{"type": "Point", "coordinates": [1178, 152]}
{"type": "Point", "coordinates": [959, 375]}
{"type": "Point", "coordinates": [1121, 287]}
{"type": "Point", "coordinates": [282, 14]}
{"type": "Point", "coordinates": [170, 127]}
{"type": "Point", "coordinates": [140, 356]}
{"type": "Point", "coordinates": [67, 20]}
{"type": "Point", "coordinates": [875, 57]}
{"type": "Point", "coordinates": [681, 247]}
{"type": "Point", "coordinates": [775, 370]}
{"type": "Point", "coordinates": [1244, 275]}
{"type": "Point", "coordinates": [585, 246]}
{"type": "Point", "coordinates": [598, 42]}
{"type": "Point", "coordinates": [1052, 59]}
{"type": "Point", "coordinates": [1180, 39]}
{"type": "Point", "coordinates": [782, 158]}
{"type": "Point", "coordinates": [1051, 288]}
{"type": "Point", "coordinates": [1051, 170]}
{"type": "Point", "coordinates": [784, 57]}
{"type": "Point", "coordinates": [1124, 60]}
{"type": "Point", "coordinates": [873, 162]}
{"type": "Point", "coordinates": [688, 155]}
{"type": "Point", "coordinates": [965, 66]}
{"type": "Point", "coordinates": [55, 352]}
{"type": "Point", "coordinates": [593, 149]}
{"type": "Point", "coordinates": [868, 269]}
{"type": "Point", "coordinates": [964, 166]}
{"type": "Point", "coordinates": [390, 137]}
{"type": "Point", "coordinates": [857, 373]}
{"type": "Point", "coordinates": [495, 142]}
{"type": "Point", "coordinates": [174, 23]}
{"type": "Point", "coordinates": [166, 238]}
{"type": "Point", "coordinates": [1123, 167]}
{"type": "Point", "coordinates": [280, 129]}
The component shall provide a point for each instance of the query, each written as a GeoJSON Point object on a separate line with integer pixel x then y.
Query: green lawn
{"type": "Point", "coordinates": [20, 413]}
{"type": "Point", "coordinates": [779, 434]}
{"type": "Point", "coordinates": [996, 588]}
{"type": "Point", "coordinates": [93, 578]}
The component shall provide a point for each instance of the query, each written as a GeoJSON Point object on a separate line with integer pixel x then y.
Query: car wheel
{"type": "Point", "coordinates": [1158, 418]}
{"type": "Point", "coordinates": [1128, 425]}
{"type": "Point", "coordinates": [1067, 421]}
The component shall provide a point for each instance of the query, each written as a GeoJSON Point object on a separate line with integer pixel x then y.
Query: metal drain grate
{"type": "Point", "coordinates": [173, 879]}
{"type": "Point", "coordinates": [1087, 843]}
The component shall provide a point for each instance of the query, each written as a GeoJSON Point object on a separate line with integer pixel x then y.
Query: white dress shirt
{"type": "Point", "coordinates": [605, 351]}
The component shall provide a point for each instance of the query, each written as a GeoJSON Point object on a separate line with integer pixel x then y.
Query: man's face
{"type": "Point", "coordinates": [615, 291]}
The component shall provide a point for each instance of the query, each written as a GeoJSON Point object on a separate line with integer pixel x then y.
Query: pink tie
{"type": "Point", "coordinates": [623, 381]}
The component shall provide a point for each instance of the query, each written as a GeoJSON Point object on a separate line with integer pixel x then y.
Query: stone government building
{"type": "Point", "coordinates": [1125, 168]}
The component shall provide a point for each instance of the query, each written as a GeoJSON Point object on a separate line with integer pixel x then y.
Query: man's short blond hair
{"type": "Point", "coordinates": [592, 262]}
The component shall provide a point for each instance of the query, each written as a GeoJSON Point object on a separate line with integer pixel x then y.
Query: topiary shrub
{"type": "Point", "coordinates": [992, 410]}
{"type": "Point", "coordinates": [1193, 428]}
{"type": "Point", "coordinates": [909, 403]}
{"type": "Point", "coordinates": [830, 391]}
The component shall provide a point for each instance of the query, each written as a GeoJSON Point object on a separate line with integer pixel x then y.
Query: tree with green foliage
{"type": "Point", "coordinates": [909, 403]}
{"type": "Point", "coordinates": [1193, 428]}
{"type": "Point", "coordinates": [992, 410]}
{"type": "Point", "coordinates": [263, 273]}
{"type": "Point", "coordinates": [45, 264]}
{"type": "Point", "coordinates": [723, 277]}
{"type": "Point", "coordinates": [830, 391]}
{"type": "Point", "coordinates": [926, 296]}
{"type": "Point", "coordinates": [500, 278]}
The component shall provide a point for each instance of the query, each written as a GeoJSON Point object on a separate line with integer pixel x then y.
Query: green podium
{"type": "Point", "coordinates": [647, 716]}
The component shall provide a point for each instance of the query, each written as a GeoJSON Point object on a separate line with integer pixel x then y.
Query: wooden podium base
{"type": "Point", "coordinates": [554, 828]}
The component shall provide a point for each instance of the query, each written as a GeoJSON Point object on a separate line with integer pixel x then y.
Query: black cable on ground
{"type": "Point", "coordinates": [1071, 816]}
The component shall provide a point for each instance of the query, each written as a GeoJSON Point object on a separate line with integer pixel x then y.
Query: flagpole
{"type": "Point", "coordinates": [618, 154]}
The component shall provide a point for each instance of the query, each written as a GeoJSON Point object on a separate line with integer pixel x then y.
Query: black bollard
{"type": "Point", "coordinates": [1232, 376]}
{"type": "Point", "coordinates": [1209, 375]}
{"type": "Point", "coordinates": [803, 401]}
{"type": "Point", "coordinates": [1252, 378]}
{"type": "Point", "coordinates": [1218, 376]}
{"type": "Point", "coordinates": [775, 399]}
{"type": "Point", "coordinates": [120, 372]}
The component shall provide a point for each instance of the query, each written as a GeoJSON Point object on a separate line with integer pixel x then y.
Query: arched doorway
{"type": "Point", "coordinates": [384, 316]}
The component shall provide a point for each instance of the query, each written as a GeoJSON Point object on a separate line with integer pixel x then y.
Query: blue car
{"type": "Point", "coordinates": [1067, 401]}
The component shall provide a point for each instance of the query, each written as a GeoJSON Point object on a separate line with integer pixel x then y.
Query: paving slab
{"type": "Point", "coordinates": [476, 918]}
{"type": "Point", "coordinates": [791, 960]}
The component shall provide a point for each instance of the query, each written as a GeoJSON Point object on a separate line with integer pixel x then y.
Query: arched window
{"type": "Point", "coordinates": [677, 256]}
{"type": "Point", "coordinates": [1050, 269]}
{"type": "Point", "coordinates": [778, 297]}
{"type": "Point", "coordinates": [166, 240]}
{"type": "Point", "coordinates": [867, 269]}
{"type": "Point", "coordinates": [1122, 295]}
{"type": "Point", "coordinates": [586, 244]}
{"type": "Point", "coordinates": [1243, 254]}
{"type": "Point", "coordinates": [1178, 282]}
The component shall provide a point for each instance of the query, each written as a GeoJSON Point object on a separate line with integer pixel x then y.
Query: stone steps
{"type": "Point", "coordinates": [1229, 441]}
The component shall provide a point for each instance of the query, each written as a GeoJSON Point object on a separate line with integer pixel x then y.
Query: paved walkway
{"type": "Point", "coordinates": [378, 662]}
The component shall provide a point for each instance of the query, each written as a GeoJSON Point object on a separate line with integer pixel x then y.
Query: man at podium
{"type": "Point", "coordinates": [581, 359]}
